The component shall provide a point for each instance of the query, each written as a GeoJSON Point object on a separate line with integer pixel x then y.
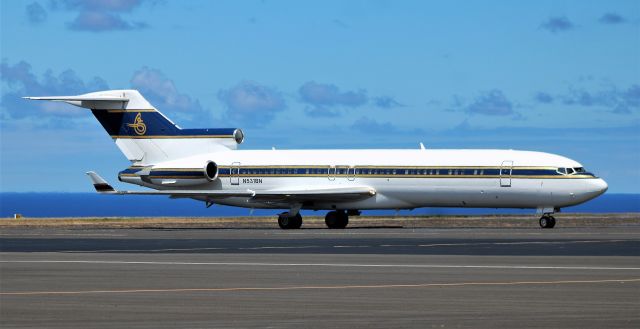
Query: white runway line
{"type": "Point", "coordinates": [378, 286]}
{"type": "Point", "coordinates": [63, 234]}
{"type": "Point", "coordinates": [137, 250]}
{"type": "Point", "coordinates": [519, 243]}
{"type": "Point", "coordinates": [528, 267]}
{"type": "Point", "coordinates": [349, 246]}
{"type": "Point", "coordinates": [273, 247]}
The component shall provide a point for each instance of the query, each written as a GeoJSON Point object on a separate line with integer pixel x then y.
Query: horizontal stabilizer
{"type": "Point", "coordinates": [100, 184]}
{"type": "Point", "coordinates": [78, 98]}
{"type": "Point", "coordinates": [101, 100]}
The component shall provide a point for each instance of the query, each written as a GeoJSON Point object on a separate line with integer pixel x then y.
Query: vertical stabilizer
{"type": "Point", "coordinates": [143, 134]}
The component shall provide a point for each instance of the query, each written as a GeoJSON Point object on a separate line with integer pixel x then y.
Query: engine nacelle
{"type": "Point", "coordinates": [173, 176]}
{"type": "Point", "coordinates": [211, 170]}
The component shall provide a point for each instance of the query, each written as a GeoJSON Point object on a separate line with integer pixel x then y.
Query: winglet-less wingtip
{"type": "Point", "coordinates": [100, 184]}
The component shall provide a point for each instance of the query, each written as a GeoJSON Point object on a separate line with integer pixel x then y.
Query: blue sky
{"type": "Point", "coordinates": [554, 76]}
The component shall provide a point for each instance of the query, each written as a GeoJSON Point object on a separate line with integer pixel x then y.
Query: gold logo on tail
{"type": "Point", "coordinates": [138, 125]}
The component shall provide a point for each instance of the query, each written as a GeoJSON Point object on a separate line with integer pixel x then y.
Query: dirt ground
{"type": "Point", "coordinates": [488, 221]}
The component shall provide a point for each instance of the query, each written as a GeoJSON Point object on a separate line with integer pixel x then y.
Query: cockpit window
{"type": "Point", "coordinates": [571, 171]}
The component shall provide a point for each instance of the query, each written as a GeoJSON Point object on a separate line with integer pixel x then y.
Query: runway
{"type": "Point", "coordinates": [415, 278]}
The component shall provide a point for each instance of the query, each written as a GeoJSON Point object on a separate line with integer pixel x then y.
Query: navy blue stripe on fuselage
{"type": "Point", "coordinates": [384, 172]}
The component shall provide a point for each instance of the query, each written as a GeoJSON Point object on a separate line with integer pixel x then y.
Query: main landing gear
{"type": "Point", "coordinates": [547, 221]}
{"type": "Point", "coordinates": [287, 222]}
{"type": "Point", "coordinates": [337, 219]}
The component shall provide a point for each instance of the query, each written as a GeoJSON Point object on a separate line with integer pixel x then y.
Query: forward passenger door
{"type": "Point", "coordinates": [505, 173]}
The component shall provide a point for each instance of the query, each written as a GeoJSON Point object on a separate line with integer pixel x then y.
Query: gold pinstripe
{"type": "Point", "coordinates": [169, 137]}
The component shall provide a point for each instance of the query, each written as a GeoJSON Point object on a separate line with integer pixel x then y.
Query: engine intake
{"type": "Point", "coordinates": [211, 171]}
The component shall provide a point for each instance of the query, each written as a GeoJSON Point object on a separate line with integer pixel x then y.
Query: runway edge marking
{"type": "Point", "coordinates": [381, 286]}
{"type": "Point", "coordinates": [325, 265]}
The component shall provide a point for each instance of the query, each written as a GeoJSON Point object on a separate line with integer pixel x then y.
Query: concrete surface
{"type": "Point", "coordinates": [357, 278]}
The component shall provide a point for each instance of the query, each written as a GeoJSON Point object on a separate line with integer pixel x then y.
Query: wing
{"type": "Point", "coordinates": [347, 193]}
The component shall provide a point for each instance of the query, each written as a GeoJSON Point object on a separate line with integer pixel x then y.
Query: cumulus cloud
{"type": "Point", "coordinates": [100, 15]}
{"type": "Point", "coordinates": [23, 82]}
{"type": "Point", "coordinates": [542, 97]}
{"type": "Point", "coordinates": [251, 103]}
{"type": "Point", "coordinates": [611, 18]}
{"type": "Point", "coordinates": [615, 100]}
{"type": "Point", "coordinates": [557, 24]}
{"type": "Point", "coordinates": [369, 125]}
{"type": "Point", "coordinates": [324, 98]}
{"type": "Point", "coordinates": [96, 21]}
{"type": "Point", "coordinates": [631, 96]}
{"type": "Point", "coordinates": [386, 102]}
{"type": "Point", "coordinates": [108, 5]}
{"type": "Point", "coordinates": [163, 94]}
{"type": "Point", "coordinates": [36, 13]}
{"type": "Point", "coordinates": [330, 95]}
{"type": "Point", "coordinates": [493, 102]}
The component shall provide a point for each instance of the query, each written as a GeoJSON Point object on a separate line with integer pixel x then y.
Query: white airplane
{"type": "Point", "coordinates": [205, 164]}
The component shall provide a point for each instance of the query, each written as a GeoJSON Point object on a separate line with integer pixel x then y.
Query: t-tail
{"type": "Point", "coordinates": [143, 134]}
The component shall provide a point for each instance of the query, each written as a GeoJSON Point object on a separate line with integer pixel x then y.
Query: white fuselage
{"type": "Point", "coordinates": [402, 179]}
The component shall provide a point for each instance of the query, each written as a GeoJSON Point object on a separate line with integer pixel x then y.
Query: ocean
{"type": "Point", "coordinates": [96, 205]}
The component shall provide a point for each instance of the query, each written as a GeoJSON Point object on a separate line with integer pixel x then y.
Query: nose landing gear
{"type": "Point", "coordinates": [547, 221]}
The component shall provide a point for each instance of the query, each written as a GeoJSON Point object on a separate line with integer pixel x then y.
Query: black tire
{"type": "Point", "coordinates": [297, 222]}
{"type": "Point", "coordinates": [336, 219]}
{"type": "Point", "coordinates": [544, 221]}
{"type": "Point", "coordinates": [287, 222]}
{"type": "Point", "coordinates": [331, 219]}
{"type": "Point", "coordinates": [552, 222]}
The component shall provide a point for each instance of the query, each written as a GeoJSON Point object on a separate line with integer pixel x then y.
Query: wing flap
{"type": "Point", "coordinates": [346, 193]}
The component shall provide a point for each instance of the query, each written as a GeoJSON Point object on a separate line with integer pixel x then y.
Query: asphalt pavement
{"type": "Point", "coordinates": [319, 278]}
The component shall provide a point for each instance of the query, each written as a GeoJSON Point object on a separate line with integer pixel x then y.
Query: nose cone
{"type": "Point", "coordinates": [595, 188]}
{"type": "Point", "coordinates": [600, 186]}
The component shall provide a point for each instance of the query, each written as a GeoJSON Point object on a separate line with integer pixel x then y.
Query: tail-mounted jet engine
{"type": "Point", "coordinates": [173, 176]}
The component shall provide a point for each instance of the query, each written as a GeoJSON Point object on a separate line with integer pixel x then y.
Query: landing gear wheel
{"type": "Point", "coordinates": [336, 219]}
{"type": "Point", "coordinates": [547, 221]}
{"type": "Point", "coordinates": [287, 222]}
{"type": "Point", "coordinates": [552, 221]}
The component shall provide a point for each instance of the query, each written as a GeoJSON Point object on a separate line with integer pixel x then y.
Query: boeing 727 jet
{"type": "Point", "coordinates": [206, 165]}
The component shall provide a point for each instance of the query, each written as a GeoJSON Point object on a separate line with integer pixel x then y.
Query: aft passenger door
{"type": "Point", "coordinates": [348, 172]}
{"type": "Point", "coordinates": [234, 174]}
{"type": "Point", "coordinates": [351, 173]}
{"type": "Point", "coordinates": [505, 173]}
